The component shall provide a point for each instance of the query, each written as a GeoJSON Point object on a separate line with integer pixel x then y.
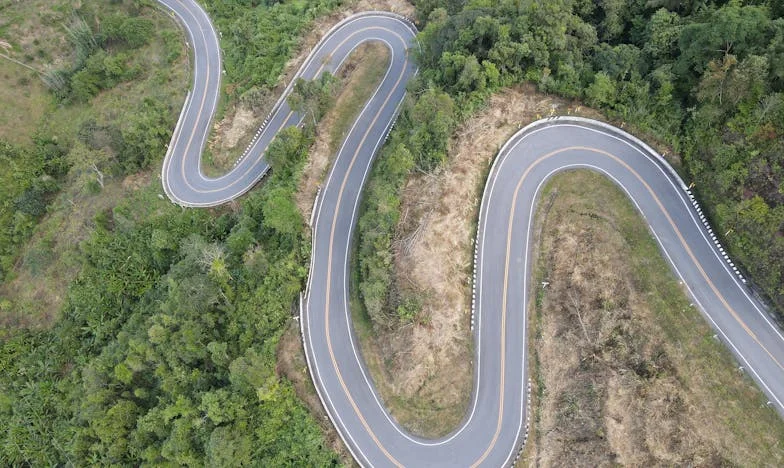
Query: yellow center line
{"type": "Point", "coordinates": [508, 258]}
{"type": "Point", "coordinates": [201, 104]}
{"type": "Point", "coordinates": [510, 223]}
{"type": "Point", "coordinates": [250, 168]}
{"type": "Point", "coordinates": [329, 277]}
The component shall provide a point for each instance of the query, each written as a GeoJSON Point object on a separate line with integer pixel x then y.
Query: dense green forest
{"type": "Point", "coordinates": [706, 77]}
{"type": "Point", "coordinates": [164, 351]}
{"type": "Point", "coordinates": [258, 37]}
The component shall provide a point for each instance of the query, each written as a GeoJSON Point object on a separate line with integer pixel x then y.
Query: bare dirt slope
{"type": "Point", "coordinates": [238, 126]}
{"type": "Point", "coordinates": [626, 371]}
{"type": "Point", "coordinates": [424, 370]}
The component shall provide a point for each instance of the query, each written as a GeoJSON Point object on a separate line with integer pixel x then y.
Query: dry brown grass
{"type": "Point", "coordinates": [423, 370]}
{"type": "Point", "coordinates": [359, 76]}
{"type": "Point", "coordinates": [231, 135]}
{"type": "Point", "coordinates": [625, 371]}
{"type": "Point", "coordinates": [292, 365]}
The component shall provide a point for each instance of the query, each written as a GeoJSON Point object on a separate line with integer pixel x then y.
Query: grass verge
{"type": "Point", "coordinates": [359, 76]}
{"type": "Point", "coordinates": [625, 370]}
{"type": "Point", "coordinates": [362, 74]}
{"type": "Point", "coordinates": [35, 288]}
{"type": "Point", "coordinates": [24, 102]}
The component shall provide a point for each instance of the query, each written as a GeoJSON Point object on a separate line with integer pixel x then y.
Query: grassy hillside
{"type": "Point", "coordinates": [164, 351]}
{"type": "Point", "coordinates": [73, 153]}
{"type": "Point", "coordinates": [133, 331]}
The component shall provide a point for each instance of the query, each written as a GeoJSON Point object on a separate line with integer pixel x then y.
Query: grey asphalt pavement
{"type": "Point", "coordinates": [181, 174]}
{"type": "Point", "coordinates": [496, 426]}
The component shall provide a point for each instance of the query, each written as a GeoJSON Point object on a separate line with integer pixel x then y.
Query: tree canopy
{"type": "Point", "coordinates": [704, 76]}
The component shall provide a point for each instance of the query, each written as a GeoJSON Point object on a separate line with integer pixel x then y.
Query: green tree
{"type": "Point", "coordinates": [602, 91]}
{"type": "Point", "coordinates": [732, 29]}
{"type": "Point", "coordinates": [312, 98]}
{"type": "Point", "coordinates": [433, 119]}
{"type": "Point", "coordinates": [663, 31]}
{"type": "Point", "coordinates": [144, 136]}
{"type": "Point", "coordinates": [281, 213]}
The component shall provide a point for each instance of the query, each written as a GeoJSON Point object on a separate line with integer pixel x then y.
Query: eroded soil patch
{"type": "Point", "coordinates": [625, 370]}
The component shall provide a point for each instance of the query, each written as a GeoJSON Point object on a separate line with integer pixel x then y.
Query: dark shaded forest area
{"type": "Point", "coordinates": [704, 77]}
{"type": "Point", "coordinates": [164, 351]}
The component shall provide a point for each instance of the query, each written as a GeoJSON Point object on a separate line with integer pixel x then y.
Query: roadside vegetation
{"type": "Point", "coordinates": [701, 80]}
{"type": "Point", "coordinates": [624, 369]}
{"type": "Point", "coordinates": [134, 331]}
{"type": "Point", "coordinates": [705, 77]}
{"type": "Point", "coordinates": [258, 43]}
{"type": "Point", "coordinates": [165, 348]}
{"type": "Point", "coordinates": [419, 143]}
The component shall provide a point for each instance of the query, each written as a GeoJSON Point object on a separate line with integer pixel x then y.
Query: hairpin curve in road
{"type": "Point", "coordinates": [496, 425]}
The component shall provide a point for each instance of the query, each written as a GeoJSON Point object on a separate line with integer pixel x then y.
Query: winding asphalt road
{"type": "Point", "coordinates": [495, 427]}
